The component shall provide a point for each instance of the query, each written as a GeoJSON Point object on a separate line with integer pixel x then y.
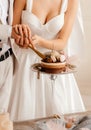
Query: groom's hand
{"type": "Point", "coordinates": [15, 35]}
{"type": "Point", "coordinates": [24, 35]}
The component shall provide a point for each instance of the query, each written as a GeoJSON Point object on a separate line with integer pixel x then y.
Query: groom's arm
{"type": "Point", "coordinates": [7, 31]}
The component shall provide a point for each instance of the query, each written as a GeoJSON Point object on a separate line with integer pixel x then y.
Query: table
{"type": "Point", "coordinates": [19, 125]}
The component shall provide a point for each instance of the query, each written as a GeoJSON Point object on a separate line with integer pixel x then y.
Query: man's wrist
{"type": "Point", "coordinates": [9, 31]}
{"type": "Point", "coordinates": [5, 31]}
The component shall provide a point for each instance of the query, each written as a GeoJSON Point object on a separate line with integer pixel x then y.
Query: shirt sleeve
{"type": "Point", "coordinates": [0, 15]}
{"type": "Point", "coordinates": [5, 32]}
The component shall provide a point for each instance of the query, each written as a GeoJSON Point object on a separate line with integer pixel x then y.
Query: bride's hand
{"type": "Point", "coordinates": [37, 40]}
{"type": "Point", "coordinates": [24, 32]}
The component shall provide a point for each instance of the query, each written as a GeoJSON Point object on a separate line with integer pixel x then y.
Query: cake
{"type": "Point", "coordinates": [54, 62]}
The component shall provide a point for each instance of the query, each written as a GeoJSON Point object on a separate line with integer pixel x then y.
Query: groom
{"type": "Point", "coordinates": [6, 57]}
{"type": "Point", "coordinates": [6, 53]}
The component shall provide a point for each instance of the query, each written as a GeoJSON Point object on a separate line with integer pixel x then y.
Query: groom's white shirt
{"type": "Point", "coordinates": [6, 11]}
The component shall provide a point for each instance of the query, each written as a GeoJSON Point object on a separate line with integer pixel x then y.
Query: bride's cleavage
{"type": "Point", "coordinates": [47, 20]}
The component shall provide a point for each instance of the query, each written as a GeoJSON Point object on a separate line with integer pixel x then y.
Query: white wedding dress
{"type": "Point", "coordinates": [31, 97]}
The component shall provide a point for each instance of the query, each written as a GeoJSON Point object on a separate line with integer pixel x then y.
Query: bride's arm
{"type": "Point", "coordinates": [19, 5]}
{"type": "Point", "coordinates": [60, 42]}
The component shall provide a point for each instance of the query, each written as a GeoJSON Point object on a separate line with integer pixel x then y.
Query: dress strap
{"type": "Point", "coordinates": [29, 5]}
{"type": "Point", "coordinates": [64, 6]}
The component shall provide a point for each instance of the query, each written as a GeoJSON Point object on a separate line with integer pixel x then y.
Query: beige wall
{"type": "Point", "coordinates": [84, 74]}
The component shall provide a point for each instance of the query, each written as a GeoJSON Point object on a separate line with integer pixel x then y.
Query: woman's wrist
{"type": "Point", "coordinates": [46, 43]}
{"type": "Point", "coordinates": [56, 44]}
{"type": "Point", "coordinates": [41, 42]}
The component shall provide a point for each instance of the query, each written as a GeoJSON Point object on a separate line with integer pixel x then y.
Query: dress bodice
{"type": "Point", "coordinates": [48, 30]}
{"type": "Point", "coordinates": [52, 27]}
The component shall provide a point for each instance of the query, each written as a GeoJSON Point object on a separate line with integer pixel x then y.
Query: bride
{"type": "Point", "coordinates": [46, 25]}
